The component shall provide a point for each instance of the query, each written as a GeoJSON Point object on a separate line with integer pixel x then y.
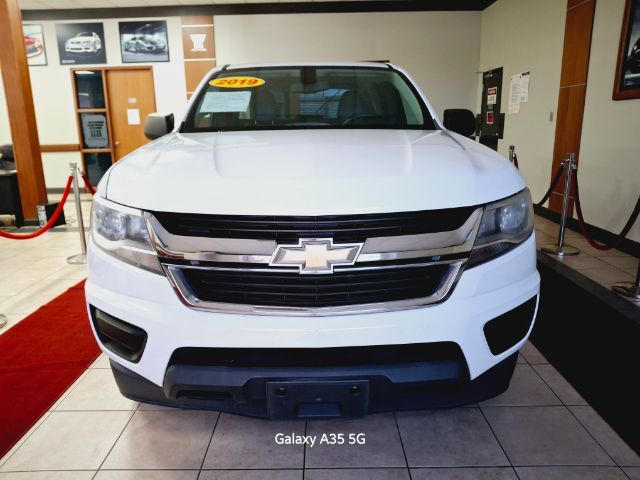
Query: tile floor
{"type": "Point", "coordinates": [604, 267]}
{"type": "Point", "coordinates": [541, 428]}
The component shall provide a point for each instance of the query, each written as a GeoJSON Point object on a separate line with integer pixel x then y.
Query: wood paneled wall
{"type": "Point", "coordinates": [573, 86]}
{"type": "Point", "coordinates": [198, 43]}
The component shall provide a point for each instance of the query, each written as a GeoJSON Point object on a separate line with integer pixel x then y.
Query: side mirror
{"type": "Point", "coordinates": [6, 152]}
{"type": "Point", "coordinates": [157, 125]}
{"type": "Point", "coordinates": [460, 121]}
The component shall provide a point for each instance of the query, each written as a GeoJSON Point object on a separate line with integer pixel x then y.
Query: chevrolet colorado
{"type": "Point", "coordinates": [311, 241]}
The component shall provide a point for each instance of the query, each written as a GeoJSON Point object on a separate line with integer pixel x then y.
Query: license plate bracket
{"type": "Point", "coordinates": [288, 400]}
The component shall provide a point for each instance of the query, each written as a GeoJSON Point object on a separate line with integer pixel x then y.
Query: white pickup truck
{"type": "Point", "coordinates": [311, 241]}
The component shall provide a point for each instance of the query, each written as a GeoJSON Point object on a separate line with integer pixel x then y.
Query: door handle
{"type": "Point", "coordinates": [116, 143]}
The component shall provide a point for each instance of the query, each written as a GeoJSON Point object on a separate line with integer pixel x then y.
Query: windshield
{"type": "Point", "coordinates": [307, 97]}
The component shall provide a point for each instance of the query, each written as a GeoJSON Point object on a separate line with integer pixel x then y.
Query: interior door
{"type": "Point", "coordinates": [131, 98]}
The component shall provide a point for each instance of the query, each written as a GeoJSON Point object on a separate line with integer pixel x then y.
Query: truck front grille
{"type": "Point", "coordinates": [342, 228]}
{"type": "Point", "coordinates": [232, 263]}
{"type": "Point", "coordinates": [294, 290]}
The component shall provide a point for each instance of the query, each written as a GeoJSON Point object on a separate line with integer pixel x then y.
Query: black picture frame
{"type": "Point", "coordinates": [81, 43]}
{"type": "Point", "coordinates": [144, 41]}
{"type": "Point", "coordinates": [627, 78]}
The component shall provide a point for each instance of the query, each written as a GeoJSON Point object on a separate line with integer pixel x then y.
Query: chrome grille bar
{"type": "Point", "coordinates": [179, 254]}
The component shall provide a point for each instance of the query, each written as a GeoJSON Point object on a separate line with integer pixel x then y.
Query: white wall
{"type": "Point", "coordinates": [5, 131]}
{"type": "Point", "coordinates": [609, 152]}
{"type": "Point", "coordinates": [521, 35]}
{"type": "Point", "coordinates": [53, 94]}
{"type": "Point", "coordinates": [440, 49]}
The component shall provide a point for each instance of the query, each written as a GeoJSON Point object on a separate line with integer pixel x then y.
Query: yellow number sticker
{"type": "Point", "coordinates": [237, 82]}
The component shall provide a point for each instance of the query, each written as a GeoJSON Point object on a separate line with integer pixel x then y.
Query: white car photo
{"type": "Point", "coordinates": [312, 241]}
{"type": "Point", "coordinates": [84, 42]}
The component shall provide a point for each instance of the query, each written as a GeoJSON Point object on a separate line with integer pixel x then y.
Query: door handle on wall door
{"type": "Point", "coordinates": [116, 143]}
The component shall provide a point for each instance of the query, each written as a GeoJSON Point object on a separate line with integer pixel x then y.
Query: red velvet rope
{"type": "Point", "coordinates": [583, 228]}
{"type": "Point", "coordinates": [50, 223]}
{"type": "Point", "coordinates": [88, 185]}
{"type": "Point", "coordinates": [554, 182]}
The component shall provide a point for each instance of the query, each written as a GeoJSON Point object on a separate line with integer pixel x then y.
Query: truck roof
{"type": "Point", "coordinates": [308, 64]}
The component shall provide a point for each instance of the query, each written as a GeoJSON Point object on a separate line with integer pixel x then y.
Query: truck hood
{"type": "Point", "coordinates": [310, 172]}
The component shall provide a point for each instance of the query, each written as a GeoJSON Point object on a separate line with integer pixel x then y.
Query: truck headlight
{"type": "Point", "coordinates": [122, 232]}
{"type": "Point", "coordinates": [504, 225]}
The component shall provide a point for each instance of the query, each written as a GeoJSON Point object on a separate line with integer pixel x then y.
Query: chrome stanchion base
{"type": "Point", "coordinates": [565, 251]}
{"type": "Point", "coordinates": [79, 259]}
{"type": "Point", "coordinates": [629, 290]}
{"type": "Point", "coordinates": [3, 320]}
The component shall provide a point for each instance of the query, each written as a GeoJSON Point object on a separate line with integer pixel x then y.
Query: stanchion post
{"type": "Point", "coordinates": [562, 250]}
{"type": "Point", "coordinates": [629, 289]}
{"type": "Point", "coordinates": [81, 257]}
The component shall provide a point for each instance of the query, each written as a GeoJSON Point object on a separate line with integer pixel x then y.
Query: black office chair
{"type": "Point", "coordinates": [10, 203]}
{"type": "Point", "coordinates": [6, 156]}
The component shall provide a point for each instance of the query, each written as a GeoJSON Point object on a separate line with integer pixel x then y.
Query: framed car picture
{"type": "Point", "coordinates": [627, 82]}
{"type": "Point", "coordinates": [144, 41]}
{"type": "Point", "coordinates": [34, 44]}
{"type": "Point", "coordinates": [81, 43]}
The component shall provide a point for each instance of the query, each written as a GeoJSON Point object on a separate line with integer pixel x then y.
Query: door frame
{"type": "Point", "coordinates": [106, 110]}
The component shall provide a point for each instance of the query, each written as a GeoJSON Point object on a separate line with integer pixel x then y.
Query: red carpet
{"type": "Point", "coordinates": [39, 359]}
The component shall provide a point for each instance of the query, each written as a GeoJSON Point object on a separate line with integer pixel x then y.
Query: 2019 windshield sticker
{"type": "Point", "coordinates": [237, 82]}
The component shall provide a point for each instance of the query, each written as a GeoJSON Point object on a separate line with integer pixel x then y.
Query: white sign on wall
{"type": "Point", "coordinates": [518, 91]}
{"type": "Point", "coordinates": [198, 40]}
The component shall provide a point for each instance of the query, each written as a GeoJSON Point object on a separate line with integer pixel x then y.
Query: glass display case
{"type": "Point", "coordinates": [93, 122]}
{"type": "Point", "coordinates": [89, 89]}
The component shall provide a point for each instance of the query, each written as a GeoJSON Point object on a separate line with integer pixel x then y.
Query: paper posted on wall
{"type": "Point", "coordinates": [518, 91]}
{"type": "Point", "coordinates": [524, 87]}
{"type": "Point", "coordinates": [133, 116]}
{"type": "Point", "coordinates": [514, 94]}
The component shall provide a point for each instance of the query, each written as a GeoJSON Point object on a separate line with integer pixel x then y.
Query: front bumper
{"type": "Point", "coordinates": [298, 393]}
{"type": "Point", "coordinates": [147, 301]}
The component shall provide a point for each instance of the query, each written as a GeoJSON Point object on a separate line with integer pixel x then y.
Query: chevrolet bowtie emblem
{"type": "Point", "coordinates": [315, 255]}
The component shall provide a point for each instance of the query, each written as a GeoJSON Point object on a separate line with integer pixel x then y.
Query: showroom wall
{"type": "Point", "coordinates": [440, 49]}
{"type": "Point", "coordinates": [609, 151]}
{"type": "Point", "coordinates": [609, 156]}
{"type": "Point", "coordinates": [414, 40]}
{"type": "Point", "coordinates": [443, 50]}
{"type": "Point", "coordinates": [534, 45]}
{"type": "Point", "coordinates": [53, 92]}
